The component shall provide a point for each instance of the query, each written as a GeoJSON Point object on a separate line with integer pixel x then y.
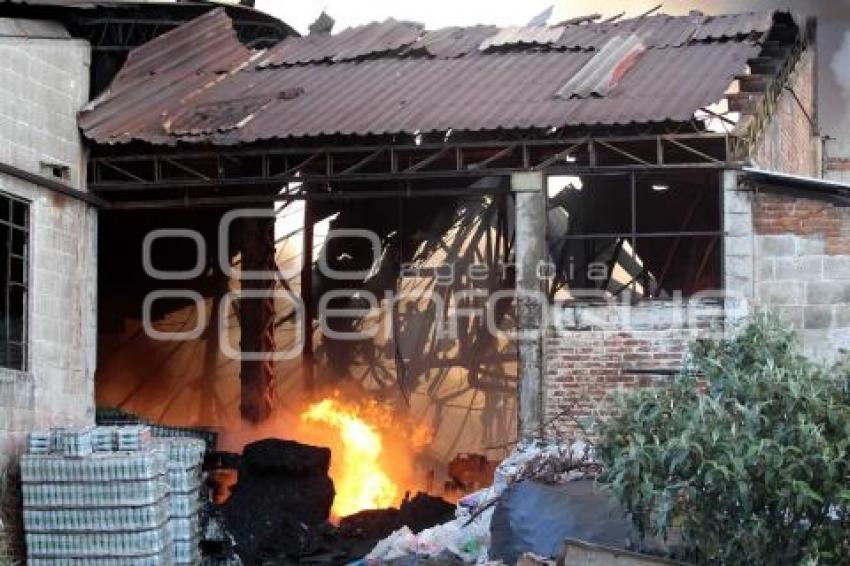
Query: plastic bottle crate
{"type": "Point", "coordinates": [100, 544]}
{"type": "Point", "coordinates": [187, 552]}
{"type": "Point", "coordinates": [184, 452]}
{"type": "Point", "coordinates": [162, 558]}
{"type": "Point", "coordinates": [38, 442]}
{"type": "Point", "coordinates": [184, 481]}
{"type": "Point", "coordinates": [99, 467]}
{"type": "Point", "coordinates": [185, 528]}
{"type": "Point", "coordinates": [112, 494]}
{"type": "Point", "coordinates": [57, 435]}
{"type": "Point", "coordinates": [104, 438]}
{"type": "Point", "coordinates": [77, 443]}
{"type": "Point", "coordinates": [134, 437]}
{"type": "Point", "coordinates": [185, 504]}
{"type": "Point", "coordinates": [97, 519]}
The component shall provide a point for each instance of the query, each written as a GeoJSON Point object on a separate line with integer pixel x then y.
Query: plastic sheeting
{"type": "Point", "coordinates": [536, 517]}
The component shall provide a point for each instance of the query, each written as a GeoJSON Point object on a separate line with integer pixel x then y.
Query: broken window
{"type": "Point", "coordinates": [14, 230]}
{"type": "Point", "coordinates": [654, 234]}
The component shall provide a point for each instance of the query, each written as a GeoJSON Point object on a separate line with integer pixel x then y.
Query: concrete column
{"type": "Point", "coordinates": [739, 269]}
{"type": "Point", "coordinates": [530, 196]}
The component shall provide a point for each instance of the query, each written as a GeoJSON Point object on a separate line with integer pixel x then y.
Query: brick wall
{"type": "Point", "coordinates": [43, 83]}
{"type": "Point", "coordinates": [787, 144]}
{"type": "Point", "coordinates": [803, 268]}
{"type": "Point", "coordinates": [593, 351]}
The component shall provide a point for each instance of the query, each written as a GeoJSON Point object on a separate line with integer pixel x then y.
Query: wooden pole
{"type": "Point", "coordinates": [256, 319]}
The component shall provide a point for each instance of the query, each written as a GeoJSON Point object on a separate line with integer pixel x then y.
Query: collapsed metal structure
{"type": "Point", "coordinates": [391, 111]}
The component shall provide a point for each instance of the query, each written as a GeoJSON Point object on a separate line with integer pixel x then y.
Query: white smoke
{"type": "Point", "coordinates": [841, 64]}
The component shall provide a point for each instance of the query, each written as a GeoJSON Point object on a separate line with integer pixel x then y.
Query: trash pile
{"type": "Point", "coordinates": [103, 495]}
{"type": "Point", "coordinates": [467, 538]}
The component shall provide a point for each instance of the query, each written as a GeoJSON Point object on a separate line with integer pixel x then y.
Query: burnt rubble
{"type": "Point", "coordinates": [279, 508]}
{"type": "Point", "coordinates": [283, 494]}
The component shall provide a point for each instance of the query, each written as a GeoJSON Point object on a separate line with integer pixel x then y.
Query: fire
{"type": "Point", "coordinates": [360, 481]}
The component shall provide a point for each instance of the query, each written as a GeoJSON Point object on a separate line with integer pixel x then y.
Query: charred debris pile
{"type": "Point", "coordinates": [278, 511]}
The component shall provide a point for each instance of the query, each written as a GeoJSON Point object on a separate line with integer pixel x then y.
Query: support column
{"type": "Point", "coordinates": [257, 318]}
{"type": "Point", "coordinates": [307, 361]}
{"type": "Point", "coordinates": [529, 189]}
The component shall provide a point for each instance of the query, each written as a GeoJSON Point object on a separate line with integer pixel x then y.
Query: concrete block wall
{"type": "Point", "coordinates": [43, 84]}
{"type": "Point", "coordinates": [803, 268]}
{"type": "Point", "coordinates": [592, 351]}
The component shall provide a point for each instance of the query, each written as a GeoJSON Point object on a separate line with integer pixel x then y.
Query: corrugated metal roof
{"type": "Point", "coordinates": [447, 43]}
{"type": "Point", "coordinates": [731, 26]}
{"type": "Point", "coordinates": [353, 43]}
{"type": "Point", "coordinates": [533, 35]}
{"type": "Point", "coordinates": [198, 84]}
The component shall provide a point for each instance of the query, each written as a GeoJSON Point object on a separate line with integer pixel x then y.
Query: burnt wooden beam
{"type": "Point", "coordinates": [307, 358]}
{"type": "Point", "coordinates": [753, 83]}
{"type": "Point", "coordinates": [764, 65]}
{"type": "Point", "coordinates": [257, 318]}
{"type": "Point", "coordinates": [744, 102]}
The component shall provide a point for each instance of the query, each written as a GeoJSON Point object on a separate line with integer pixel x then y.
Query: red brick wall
{"type": "Point", "coordinates": [586, 366]}
{"type": "Point", "coordinates": [787, 144]}
{"type": "Point", "coordinates": [775, 214]}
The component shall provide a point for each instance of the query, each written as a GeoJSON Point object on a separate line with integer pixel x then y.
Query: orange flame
{"type": "Point", "coordinates": [360, 481]}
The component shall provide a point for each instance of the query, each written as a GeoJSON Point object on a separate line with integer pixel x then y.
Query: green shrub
{"type": "Point", "coordinates": [749, 463]}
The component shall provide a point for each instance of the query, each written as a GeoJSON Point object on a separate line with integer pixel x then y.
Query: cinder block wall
{"type": "Point", "coordinates": [803, 268]}
{"type": "Point", "coordinates": [44, 81]}
{"type": "Point", "coordinates": [594, 350]}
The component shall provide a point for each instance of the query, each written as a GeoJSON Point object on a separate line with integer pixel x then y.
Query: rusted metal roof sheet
{"type": "Point", "coordinates": [661, 31]}
{"type": "Point", "coordinates": [353, 43]}
{"type": "Point", "coordinates": [732, 26]}
{"type": "Point", "coordinates": [451, 42]}
{"type": "Point", "coordinates": [167, 70]}
{"type": "Point", "coordinates": [198, 84]}
{"type": "Point", "coordinates": [532, 35]}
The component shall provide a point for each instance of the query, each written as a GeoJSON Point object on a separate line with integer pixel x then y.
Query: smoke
{"type": "Point", "coordinates": [841, 64]}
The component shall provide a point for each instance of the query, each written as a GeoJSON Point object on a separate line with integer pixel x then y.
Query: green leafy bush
{"type": "Point", "coordinates": [749, 463]}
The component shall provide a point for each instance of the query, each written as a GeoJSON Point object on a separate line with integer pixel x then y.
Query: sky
{"type": "Point", "coordinates": [440, 13]}
{"type": "Point", "coordinates": [433, 13]}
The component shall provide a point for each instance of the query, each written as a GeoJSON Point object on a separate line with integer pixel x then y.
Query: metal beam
{"type": "Point", "coordinates": [53, 185]}
{"type": "Point", "coordinates": [458, 160]}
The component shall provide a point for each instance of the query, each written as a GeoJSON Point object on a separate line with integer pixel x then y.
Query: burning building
{"type": "Point", "coordinates": [419, 137]}
{"type": "Point", "coordinates": [409, 245]}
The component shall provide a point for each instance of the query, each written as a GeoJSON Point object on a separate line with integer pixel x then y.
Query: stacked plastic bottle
{"type": "Point", "coordinates": [102, 496]}
{"type": "Point", "coordinates": [185, 456]}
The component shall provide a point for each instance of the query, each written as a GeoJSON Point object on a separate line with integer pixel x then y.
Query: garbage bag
{"type": "Point", "coordinates": [536, 517]}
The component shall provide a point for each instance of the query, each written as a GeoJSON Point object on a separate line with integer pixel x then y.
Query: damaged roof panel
{"type": "Point", "coordinates": [605, 68]}
{"type": "Point", "coordinates": [534, 35]}
{"type": "Point", "coordinates": [440, 81]}
{"type": "Point", "coordinates": [451, 42]}
{"type": "Point", "coordinates": [352, 43]}
{"type": "Point", "coordinates": [731, 26]}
